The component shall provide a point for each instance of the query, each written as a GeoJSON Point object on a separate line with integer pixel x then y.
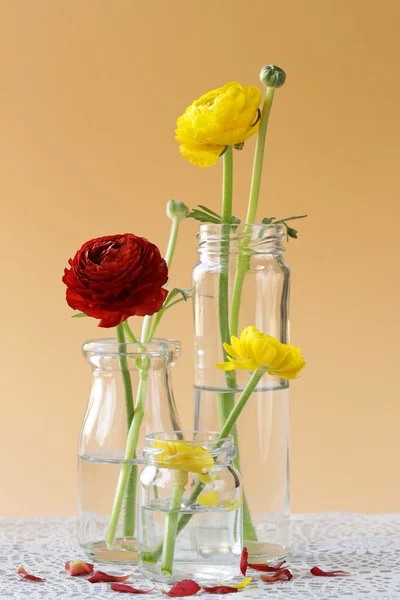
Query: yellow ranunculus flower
{"type": "Point", "coordinates": [223, 117]}
{"type": "Point", "coordinates": [255, 349]}
{"type": "Point", "coordinates": [185, 457]}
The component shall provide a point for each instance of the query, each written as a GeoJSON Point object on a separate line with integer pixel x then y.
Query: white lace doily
{"type": "Point", "coordinates": [366, 546]}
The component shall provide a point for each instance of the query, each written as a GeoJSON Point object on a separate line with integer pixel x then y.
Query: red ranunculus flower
{"type": "Point", "coordinates": [115, 277]}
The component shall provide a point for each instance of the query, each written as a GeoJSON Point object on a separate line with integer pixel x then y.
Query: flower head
{"type": "Point", "coordinates": [255, 349]}
{"type": "Point", "coordinates": [272, 76]}
{"type": "Point", "coordinates": [185, 457]}
{"type": "Point", "coordinates": [177, 210]}
{"type": "Point", "coordinates": [223, 117]}
{"type": "Point", "coordinates": [115, 277]}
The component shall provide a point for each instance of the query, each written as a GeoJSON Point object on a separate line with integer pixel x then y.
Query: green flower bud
{"type": "Point", "coordinates": [177, 209]}
{"type": "Point", "coordinates": [272, 76]}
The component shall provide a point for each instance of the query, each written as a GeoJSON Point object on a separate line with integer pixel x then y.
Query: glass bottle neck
{"type": "Point", "coordinates": [217, 241]}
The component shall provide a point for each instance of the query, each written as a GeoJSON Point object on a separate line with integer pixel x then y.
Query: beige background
{"type": "Point", "coordinates": [89, 94]}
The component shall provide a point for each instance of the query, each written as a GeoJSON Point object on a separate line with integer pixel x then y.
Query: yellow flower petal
{"type": "Point", "coordinates": [212, 498]}
{"type": "Point", "coordinates": [221, 117]}
{"type": "Point", "coordinates": [185, 457]}
{"type": "Point", "coordinates": [201, 156]}
{"type": "Point", "coordinates": [226, 366]}
{"type": "Point", "coordinates": [242, 584]}
{"type": "Point", "coordinates": [231, 350]}
{"type": "Point", "coordinates": [254, 349]}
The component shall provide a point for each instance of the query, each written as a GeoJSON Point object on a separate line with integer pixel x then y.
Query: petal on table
{"type": "Point", "coordinates": [22, 573]}
{"type": "Point", "coordinates": [186, 587]}
{"type": "Point", "coordinates": [320, 573]}
{"type": "Point", "coordinates": [244, 562]}
{"type": "Point", "coordinates": [220, 589]}
{"type": "Point", "coordinates": [78, 567]}
{"type": "Point", "coordinates": [282, 575]}
{"type": "Point", "coordinates": [267, 568]}
{"type": "Point", "coordinates": [101, 577]}
{"type": "Point", "coordinates": [128, 589]}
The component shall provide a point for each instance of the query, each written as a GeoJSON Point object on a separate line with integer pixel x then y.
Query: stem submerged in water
{"type": "Point", "coordinates": [130, 512]}
{"type": "Point", "coordinates": [171, 522]}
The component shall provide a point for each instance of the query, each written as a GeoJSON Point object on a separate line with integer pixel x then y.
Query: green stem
{"type": "Point", "coordinates": [171, 525]}
{"type": "Point", "coordinates": [223, 292]}
{"type": "Point", "coordinates": [259, 157]}
{"type": "Point", "coordinates": [126, 376]}
{"type": "Point", "coordinates": [129, 512]}
{"type": "Point", "coordinates": [249, 532]}
{"type": "Point", "coordinates": [243, 264]}
{"type": "Point", "coordinates": [130, 503]}
{"type": "Point", "coordinates": [241, 403]}
{"type": "Point", "coordinates": [126, 467]}
{"type": "Point", "coordinates": [226, 403]}
{"type": "Point", "coordinates": [173, 236]}
{"type": "Point", "coordinates": [243, 261]}
{"type": "Point", "coordinates": [227, 186]}
{"type": "Point", "coordinates": [148, 330]}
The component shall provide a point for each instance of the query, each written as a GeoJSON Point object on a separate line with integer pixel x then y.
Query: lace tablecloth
{"type": "Point", "coordinates": [366, 546]}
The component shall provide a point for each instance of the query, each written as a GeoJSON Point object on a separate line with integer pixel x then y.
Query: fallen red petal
{"type": "Point", "coordinates": [282, 575]}
{"type": "Point", "coordinates": [267, 568]}
{"type": "Point", "coordinates": [78, 567]}
{"type": "Point", "coordinates": [128, 589]}
{"type": "Point", "coordinates": [220, 589]}
{"type": "Point", "coordinates": [99, 576]}
{"type": "Point", "coordinates": [244, 562]}
{"type": "Point", "coordinates": [186, 587]}
{"type": "Point", "coordinates": [320, 573]}
{"type": "Point", "coordinates": [22, 573]}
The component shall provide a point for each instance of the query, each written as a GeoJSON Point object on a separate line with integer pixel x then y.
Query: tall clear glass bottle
{"type": "Point", "coordinates": [104, 434]}
{"type": "Point", "coordinates": [241, 272]}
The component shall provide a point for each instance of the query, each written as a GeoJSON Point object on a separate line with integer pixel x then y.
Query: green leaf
{"type": "Point", "coordinates": [291, 232]}
{"type": "Point", "coordinates": [206, 215]}
{"type": "Point", "coordinates": [78, 315]}
{"type": "Point", "coordinates": [184, 292]}
{"type": "Point", "coordinates": [290, 219]}
{"type": "Point", "coordinates": [209, 211]}
{"type": "Point", "coordinates": [267, 220]}
{"type": "Point", "coordinates": [203, 217]}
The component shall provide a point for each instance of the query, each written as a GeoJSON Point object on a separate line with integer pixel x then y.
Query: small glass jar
{"type": "Point", "coordinates": [190, 508]}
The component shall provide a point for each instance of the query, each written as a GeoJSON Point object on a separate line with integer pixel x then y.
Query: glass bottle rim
{"type": "Point", "coordinates": [111, 347]}
{"type": "Point", "coordinates": [241, 227]}
{"type": "Point", "coordinates": [208, 440]}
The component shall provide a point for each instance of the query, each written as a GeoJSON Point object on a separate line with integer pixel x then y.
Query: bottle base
{"type": "Point", "coordinates": [125, 550]}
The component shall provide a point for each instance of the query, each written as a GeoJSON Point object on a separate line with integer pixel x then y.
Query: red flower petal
{"type": "Point", "coordinates": [78, 567]}
{"type": "Point", "coordinates": [220, 589]}
{"type": "Point", "coordinates": [99, 576]}
{"type": "Point", "coordinates": [187, 587]}
{"type": "Point", "coordinates": [128, 589]}
{"type": "Point", "coordinates": [320, 573]}
{"type": "Point", "coordinates": [117, 276]}
{"type": "Point", "coordinates": [267, 568]}
{"type": "Point", "coordinates": [282, 575]}
{"type": "Point", "coordinates": [22, 573]}
{"type": "Point", "coordinates": [244, 562]}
